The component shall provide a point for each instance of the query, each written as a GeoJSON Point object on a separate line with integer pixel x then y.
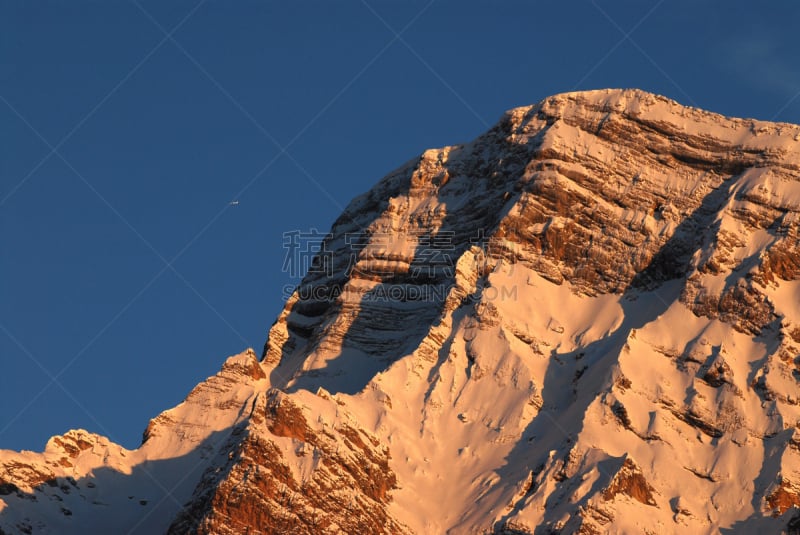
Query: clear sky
{"type": "Point", "coordinates": [127, 129]}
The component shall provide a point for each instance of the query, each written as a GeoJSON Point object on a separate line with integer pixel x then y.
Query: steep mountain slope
{"type": "Point", "coordinates": [587, 320]}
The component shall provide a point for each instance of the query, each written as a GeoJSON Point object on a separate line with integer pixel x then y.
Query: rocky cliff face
{"type": "Point", "coordinates": [587, 320]}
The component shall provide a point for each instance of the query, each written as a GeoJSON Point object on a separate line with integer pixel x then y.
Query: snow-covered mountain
{"type": "Point", "coordinates": [587, 320]}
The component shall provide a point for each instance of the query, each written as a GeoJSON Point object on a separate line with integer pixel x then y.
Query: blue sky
{"type": "Point", "coordinates": [128, 127]}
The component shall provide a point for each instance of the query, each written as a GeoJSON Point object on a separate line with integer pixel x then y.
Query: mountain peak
{"type": "Point", "coordinates": [617, 99]}
{"type": "Point", "coordinates": [585, 320]}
